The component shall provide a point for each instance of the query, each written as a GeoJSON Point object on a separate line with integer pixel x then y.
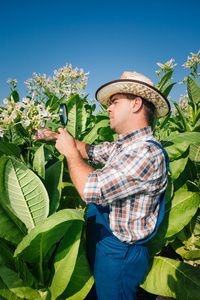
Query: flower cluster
{"type": "Point", "coordinates": [168, 66]}
{"type": "Point", "coordinates": [27, 113]}
{"type": "Point", "coordinates": [13, 83]}
{"type": "Point", "coordinates": [183, 104]}
{"type": "Point", "coordinates": [192, 63]}
{"type": "Point", "coordinates": [66, 82]}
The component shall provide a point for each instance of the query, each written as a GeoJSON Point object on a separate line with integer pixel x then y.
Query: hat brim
{"type": "Point", "coordinates": [135, 87]}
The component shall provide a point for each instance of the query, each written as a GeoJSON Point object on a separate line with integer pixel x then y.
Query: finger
{"type": "Point", "coordinates": [61, 130]}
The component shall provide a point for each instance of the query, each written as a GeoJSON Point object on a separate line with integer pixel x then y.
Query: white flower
{"type": "Point", "coordinates": [4, 114]}
{"type": "Point", "coordinates": [13, 115]}
{"type": "Point", "coordinates": [34, 94]}
{"type": "Point", "coordinates": [25, 100]}
{"type": "Point", "coordinates": [27, 123]}
{"type": "Point", "coordinates": [5, 101]}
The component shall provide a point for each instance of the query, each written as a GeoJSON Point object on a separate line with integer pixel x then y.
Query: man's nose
{"type": "Point", "coordinates": [109, 108]}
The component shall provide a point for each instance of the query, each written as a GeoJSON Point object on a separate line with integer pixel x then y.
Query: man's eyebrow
{"type": "Point", "coordinates": [113, 99]}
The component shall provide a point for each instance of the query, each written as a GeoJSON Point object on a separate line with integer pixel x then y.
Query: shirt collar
{"type": "Point", "coordinates": [134, 135]}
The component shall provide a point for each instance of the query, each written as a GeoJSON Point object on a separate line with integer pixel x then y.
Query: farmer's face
{"type": "Point", "coordinates": [120, 111]}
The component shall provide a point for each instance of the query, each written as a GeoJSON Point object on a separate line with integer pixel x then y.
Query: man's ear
{"type": "Point", "coordinates": [137, 104]}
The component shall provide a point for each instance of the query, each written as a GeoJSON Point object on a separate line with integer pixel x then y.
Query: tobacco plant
{"type": "Point", "coordinates": [42, 223]}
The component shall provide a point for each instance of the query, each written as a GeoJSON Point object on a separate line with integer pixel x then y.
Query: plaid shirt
{"type": "Point", "coordinates": [131, 182]}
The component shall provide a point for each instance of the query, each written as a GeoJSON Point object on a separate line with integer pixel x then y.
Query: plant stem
{"type": "Point", "coordinates": [41, 275]}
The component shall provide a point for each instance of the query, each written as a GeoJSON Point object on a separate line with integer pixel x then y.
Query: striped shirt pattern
{"type": "Point", "coordinates": [131, 183]}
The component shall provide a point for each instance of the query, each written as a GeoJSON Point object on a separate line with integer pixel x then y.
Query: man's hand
{"type": "Point", "coordinates": [78, 169]}
{"type": "Point", "coordinates": [66, 144]}
{"type": "Point", "coordinates": [45, 134]}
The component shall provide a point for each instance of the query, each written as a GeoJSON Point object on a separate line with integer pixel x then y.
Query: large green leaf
{"type": "Point", "coordinates": [81, 281]}
{"type": "Point", "coordinates": [6, 294]}
{"type": "Point", "coordinates": [178, 213]}
{"type": "Point", "coordinates": [195, 154]}
{"type": "Point", "coordinates": [92, 135]}
{"type": "Point", "coordinates": [65, 260]}
{"type": "Point", "coordinates": [193, 90]}
{"type": "Point", "coordinates": [177, 144]}
{"type": "Point", "coordinates": [6, 256]}
{"type": "Point", "coordinates": [11, 228]}
{"type": "Point", "coordinates": [9, 148]}
{"type": "Point", "coordinates": [177, 166]}
{"type": "Point", "coordinates": [23, 192]}
{"type": "Point", "coordinates": [183, 206]}
{"type": "Point", "coordinates": [176, 150]}
{"type": "Point", "coordinates": [16, 285]}
{"type": "Point", "coordinates": [39, 162]}
{"type": "Point", "coordinates": [71, 197]}
{"type": "Point", "coordinates": [77, 116]}
{"type": "Point", "coordinates": [53, 183]}
{"type": "Point", "coordinates": [189, 137]}
{"type": "Point", "coordinates": [170, 278]}
{"type": "Point", "coordinates": [40, 239]}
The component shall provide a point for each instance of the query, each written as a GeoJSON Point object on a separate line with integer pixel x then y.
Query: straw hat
{"type": "Point", "coordinates": [136, 84]}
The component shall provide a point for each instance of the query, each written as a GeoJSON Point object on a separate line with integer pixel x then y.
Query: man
{"type": "Point", "coordinates": [126, 196]}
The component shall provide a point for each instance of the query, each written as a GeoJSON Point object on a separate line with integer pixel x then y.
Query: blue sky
{"type": "Point", "coordinates": [104, 38]}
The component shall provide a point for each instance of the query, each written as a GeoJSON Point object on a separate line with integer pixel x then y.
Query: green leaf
{"type": "Point", "coordinates": [168, 89]}
{"type": "Point", "coordinates": [107, 134]}
{"type": "Point", "coordinates": [65, 260]}
{"type": "Point", "coordinates": [23, 192]}
{"type": "Point", "coordinates": [40, 239]}
{"type": "Point", "coordinates": [77, 116]}
{"type": "Point", "coordinates": [178, 214]}
{"type": "Point", "coordinates": [15, 96]}
{"type": "Point", "coordinates": [170, 278]}
{"type": "Point", "coordinates": [92, 135]}
{"type": "Point", "coordinates": [9, 148]}
{"type": "Point", "coordinates": [71, 197]}
{"type": "Point", "coordinates": [21, 131]}
{"type": "Point", "coordinates": [6, 256]}
{"type": "Point", "coordinates": [81, 280]}
{"type": "Point", "coordinates": [192, 255]}
{"type": "Point", "coordinates": [165, 79]}
{"type": "Point", "coordinates": [175, 150]}
{"type": "Point", "coordinates": [180, 211]}
{"type": "Point", "coordinates": [184, 122]}
{"type": "Point", "coordinates": [39, 162]}
{"type": "Point", "coordinates": [177, 166]}
{"type": "Point", "coordinates": [53, 183]}
{"type": "Point", "coordinates": [195, 152]}
{"type": "Point", "coordinates": [5, 293]}
{"type": "Point", "coordinates": [16, 284]}
{"type": "Point", "coordinates": [193, 90]}
{"type": "Point", "coordinates": [11, 228]}
{"type": "Point", "coordinates": [180, 140]}
{"type": "Point", "coordinates": [16, 136]}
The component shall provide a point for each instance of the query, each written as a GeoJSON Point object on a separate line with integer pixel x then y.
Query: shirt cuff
{"type": "Point", "coordinates": [92, 191]}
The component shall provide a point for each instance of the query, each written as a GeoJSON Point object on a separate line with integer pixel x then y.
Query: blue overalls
{"type": "Point", "coordinates": [118, 268]}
